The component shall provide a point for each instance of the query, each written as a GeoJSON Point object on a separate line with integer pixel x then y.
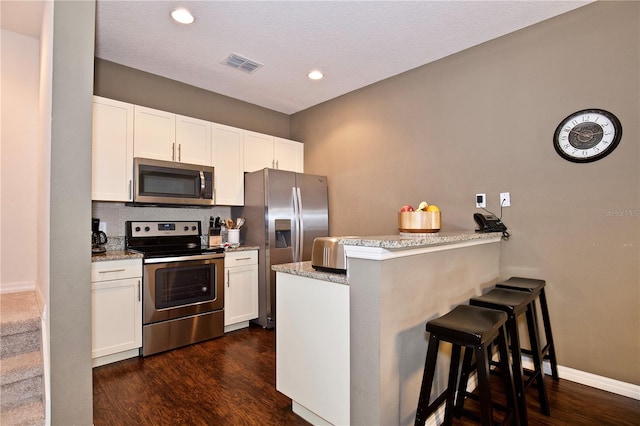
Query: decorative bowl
{"type": "Point", "coordinates": [419, 221]}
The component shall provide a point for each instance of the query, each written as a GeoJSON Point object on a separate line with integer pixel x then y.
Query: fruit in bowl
{"type": "Point", "coordinates": [406, 208]}
{"type": "Point", "coordinates": [427, 218]}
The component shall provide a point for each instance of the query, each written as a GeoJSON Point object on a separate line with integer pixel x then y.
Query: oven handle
{"type": "Point", "coordinates": [184, 258]}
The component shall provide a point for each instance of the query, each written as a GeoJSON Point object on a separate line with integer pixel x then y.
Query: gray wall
{"type": "Point", "coordinates": [482, 121]}
{"type": "Point", "coordinates": [70, 213]}
{"type": "Point", "coordinates": [126, 84]}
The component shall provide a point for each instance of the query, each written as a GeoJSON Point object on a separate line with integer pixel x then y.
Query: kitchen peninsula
{"type": "Point", "coordinates": [351, 349]}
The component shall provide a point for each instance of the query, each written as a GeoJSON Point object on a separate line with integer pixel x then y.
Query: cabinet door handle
{"type": "Point", "coordinates": [130, 188]}
{"type": "Point", "coordinates": [138, 290]}
{"type": "Point", "coordinates": [173, 152]}
{"type": "Point", "coordinates": [228, 278]}
{"type": "Point", "coordinates": [111, 270]}
{"type": "Point", "coordinates": [179, 152]}
{"type": "Point", "coordinates": [242, 258]}
{"type": "Point", "coordinates": [277, 167]}
{"type": "Point", "coordinates": [272, 163]}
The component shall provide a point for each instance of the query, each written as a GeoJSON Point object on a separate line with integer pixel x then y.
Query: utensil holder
{"type": "Point", "coordinates": [233, 236]}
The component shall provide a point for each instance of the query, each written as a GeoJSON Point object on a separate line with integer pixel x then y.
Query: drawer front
{"type": "Point", "coordinates": [241, 258]}
{"type": "Point", "coordinates": [116, 270]}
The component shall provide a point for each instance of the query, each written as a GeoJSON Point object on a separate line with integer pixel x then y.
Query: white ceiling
{"type": "Point", "coordinates": [355, 43]}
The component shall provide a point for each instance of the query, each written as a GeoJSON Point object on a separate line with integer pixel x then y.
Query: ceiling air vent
{"type": "Point", "coordinates": [241, 63]}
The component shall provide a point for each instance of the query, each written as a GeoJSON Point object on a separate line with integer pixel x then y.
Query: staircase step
{"type": "Point", "coordinates": [22, 392]}
{"type": "Point", "coordinates": [21, 364]}
{"type": "Point", "coordinates": [19, 324]}
{"type": "Point", "coordinates": [16, 344]}
{"type": "Point", "coordinates": [20, 367]}
{"type": "Point", "coordinates": [25, 415]}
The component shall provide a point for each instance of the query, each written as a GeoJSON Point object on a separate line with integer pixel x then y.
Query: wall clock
{"type": "Point", "coordinates": [587, 135]}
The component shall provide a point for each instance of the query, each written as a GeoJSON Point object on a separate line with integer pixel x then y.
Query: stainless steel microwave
{"type": "Point", "coordinates": [165, 182]}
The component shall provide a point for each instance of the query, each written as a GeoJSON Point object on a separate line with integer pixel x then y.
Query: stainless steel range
{"type": "Point", "coordinates": [183, 284]}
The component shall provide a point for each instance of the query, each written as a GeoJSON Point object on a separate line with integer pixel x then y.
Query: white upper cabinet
{"type": "Point", "coordinates": [193, 140]}
{"type": "Point", "coordinates": [262, 151]}
{"type": "Point", "coordinates": [288, 155]}
{"type": "Point", "coordinates": [166, 136]}
{"type": "Point", "coordinates": [258, 151]}
{"type": "Point", "coordinates": [227, 159]}
{"type": "Point", "coordinates": [154, 134]}
{"type": "Point", "coordinates": [112, 150]}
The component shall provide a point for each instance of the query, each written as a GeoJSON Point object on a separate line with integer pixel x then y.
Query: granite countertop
{"type": "Point", "coordinates": [393, 243]}
{"type": "Point", "coordinates": [414, 240]}
{"type": "Point", "coordinates": [115, 255]}
{"type": "Point", "coordinates": [242, 248]}
{"type": "Point", "coordinates": [304, 269]}
{"type": "Point", "coordinates": [126, 254]}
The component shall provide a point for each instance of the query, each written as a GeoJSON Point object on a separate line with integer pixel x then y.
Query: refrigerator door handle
{"type": "Point", "coordinates": [296, 225]}
{"type": "Point", "coordinates": [300, 225]}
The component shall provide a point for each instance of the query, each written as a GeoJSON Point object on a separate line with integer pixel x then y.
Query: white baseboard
{"type": "Point", "coordinates": [308, 415]}
{"type": "Point", "coordinates": [588, 379]}
{"type": "Point", "coordinates": [565, 373]}
{"type": "Point", "coordinates": [17, 287]}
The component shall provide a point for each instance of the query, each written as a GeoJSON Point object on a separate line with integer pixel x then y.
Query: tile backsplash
{"type": "Point", "coordinates": [114, 215]}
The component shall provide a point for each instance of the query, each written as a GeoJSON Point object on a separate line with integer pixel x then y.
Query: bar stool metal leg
{"type": "Point", "coordinates": [550, 347]}
{"type": "Point", "coordinates": [516, 362]}
{"type": "Point", "coordinates": [534, 340]}
{"type": "Point", "coordinates": [427, 380]}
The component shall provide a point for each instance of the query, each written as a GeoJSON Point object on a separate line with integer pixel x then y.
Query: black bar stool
{"type": "Point", "coordinates": [536, 287]}
{"type": "Point", "coordinates": [475, 329]}
{"type": "Point", "coordinates": [515, 304]}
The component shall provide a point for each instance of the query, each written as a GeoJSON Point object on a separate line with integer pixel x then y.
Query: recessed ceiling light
{"type": "Point", "coordinates": [183, 16]}
{"type": "Point", "coordinates": [315, 75]}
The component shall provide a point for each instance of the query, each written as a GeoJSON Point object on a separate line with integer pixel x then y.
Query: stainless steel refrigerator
{"type": "Point", "coordinates": [284, 213]}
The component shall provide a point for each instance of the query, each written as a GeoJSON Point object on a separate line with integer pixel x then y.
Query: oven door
{"type": "Point", "coordinates": [182, 286]}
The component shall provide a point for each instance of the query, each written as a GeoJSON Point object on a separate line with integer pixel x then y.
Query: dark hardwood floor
{"type": "Point", "coordinates": [231, 381]}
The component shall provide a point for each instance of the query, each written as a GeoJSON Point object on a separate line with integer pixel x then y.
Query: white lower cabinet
{"type": "Point", "coordinates": [116, 310]}
{"type": "Point", "coordinates": [240, 289]}
{"type": "Point", "coordinates": [313, 348]}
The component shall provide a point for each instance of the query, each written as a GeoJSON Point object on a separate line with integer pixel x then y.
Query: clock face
{"type": "Point", "coordinates": [587, 135]}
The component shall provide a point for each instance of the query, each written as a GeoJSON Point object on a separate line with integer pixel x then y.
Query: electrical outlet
{"type": "Point", "coordinates": [505, 199]}
{"type": "Point", "coordinates": [481, 200]}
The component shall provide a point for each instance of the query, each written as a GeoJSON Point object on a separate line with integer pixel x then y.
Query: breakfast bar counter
{"type": "Point", "coordinates": [351, 349]}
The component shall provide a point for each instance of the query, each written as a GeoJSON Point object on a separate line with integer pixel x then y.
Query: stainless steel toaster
{"type": "Point", "coordinates": [328, 255]}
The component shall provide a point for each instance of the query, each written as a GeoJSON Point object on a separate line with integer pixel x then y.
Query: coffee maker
{"type": "Point", "coordinates": [98, 238]}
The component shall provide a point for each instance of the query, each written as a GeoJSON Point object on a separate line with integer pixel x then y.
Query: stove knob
{"type": "Point", "coordinates": [147, 229]}
{"type": "Point", "coordinates": [193, 228]}
{"type": "Point", "coordinates": [186, 228]}
{"type": "Point", "coordinates": [137, 229]}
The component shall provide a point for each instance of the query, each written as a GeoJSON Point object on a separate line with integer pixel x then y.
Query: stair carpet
{"type": "Point", "coordinates": [21, 364]}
